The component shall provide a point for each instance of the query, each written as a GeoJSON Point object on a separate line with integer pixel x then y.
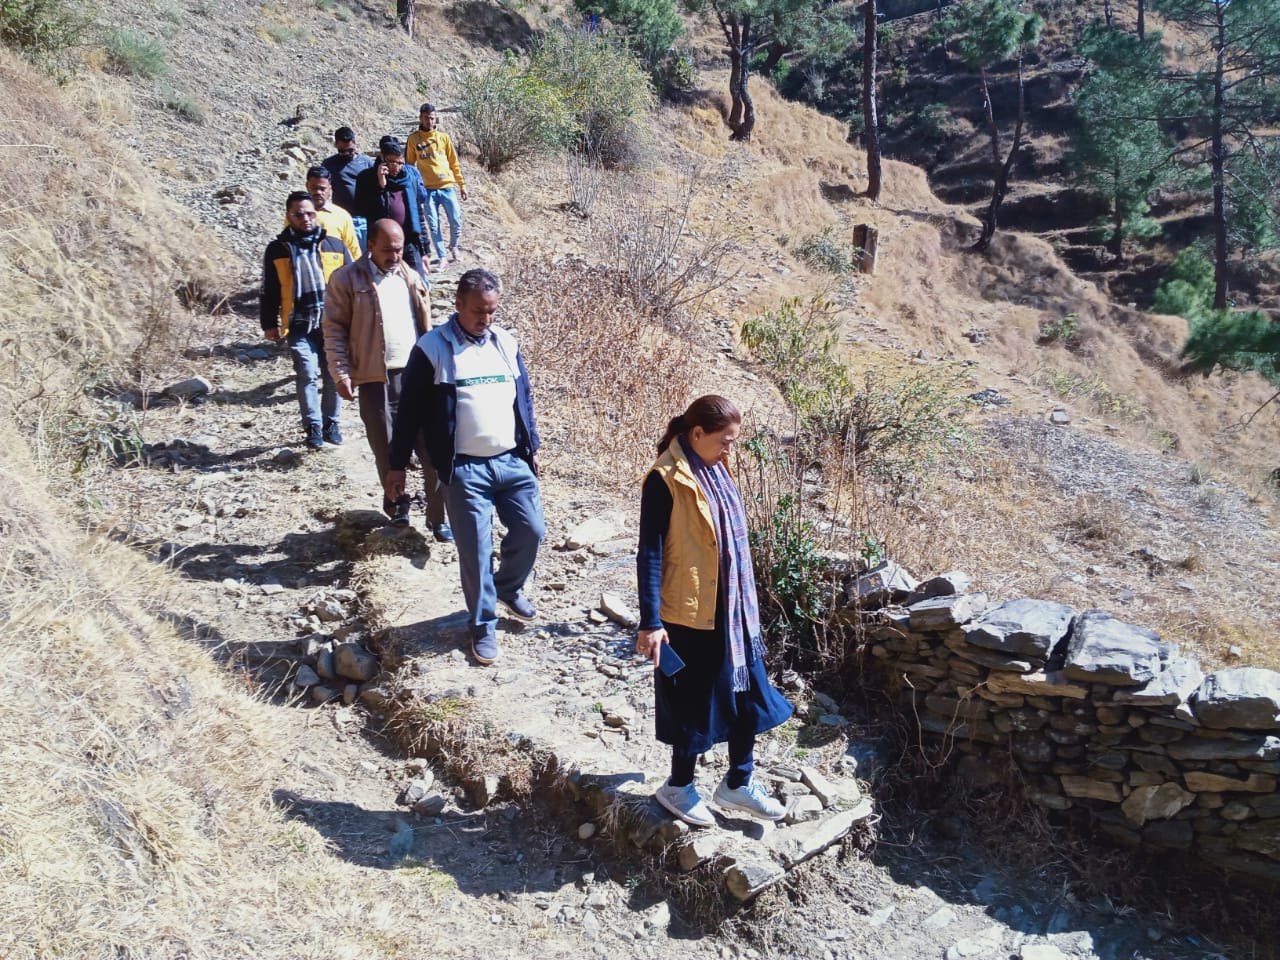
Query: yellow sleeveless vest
{"type": "Point", "coordinates": [691, 555]}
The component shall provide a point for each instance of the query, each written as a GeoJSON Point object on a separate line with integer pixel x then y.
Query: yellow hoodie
{"type": "Point", "coordinates": [431, 151]}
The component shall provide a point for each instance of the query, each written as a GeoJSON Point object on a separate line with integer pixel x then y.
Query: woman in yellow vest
{"type": "Point", "coordinates": [698, 601]}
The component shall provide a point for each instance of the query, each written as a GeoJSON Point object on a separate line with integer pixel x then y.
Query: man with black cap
{"type": "Point", "coordinates": [393, 190]}
{"type": "Point", "coordinates": [344, 166]}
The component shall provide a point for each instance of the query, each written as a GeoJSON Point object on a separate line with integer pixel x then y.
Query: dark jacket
{"type": "Point", "coordinates": [342, 174]}
{"type": "Point", "coordinates": [371, 202]}
{"type": "Point", "coordinates": [275, 306]}
{"type": "Point", "coordinates": [429, 400]}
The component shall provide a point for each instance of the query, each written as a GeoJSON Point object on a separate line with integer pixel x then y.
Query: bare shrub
{"type": "Point", "coordinates": [604, 377]}
{"type": "Point", "coordinates": [667, 269]}
{"type": "Point", "coordinates": [584, 173]}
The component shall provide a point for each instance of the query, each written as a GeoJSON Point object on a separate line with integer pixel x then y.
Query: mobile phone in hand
{"type": "Point", "coordinates": [669, 661]}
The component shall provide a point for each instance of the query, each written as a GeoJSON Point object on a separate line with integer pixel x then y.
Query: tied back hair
{"type": "Point", "coordinates": [712, 413]}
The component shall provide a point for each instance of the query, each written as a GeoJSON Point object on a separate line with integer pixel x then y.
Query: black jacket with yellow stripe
{"type": "Point", "coordinates": [275, 306]}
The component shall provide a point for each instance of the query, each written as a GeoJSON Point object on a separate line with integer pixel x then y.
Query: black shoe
{"type": "Point", "coordinates": [332, 434]}
{"type": "Point", "coordinates": [315, 437]}
{"type": "Point", "coordinates": [442, 532]}
{"type": "Point", "coordinates": [400, 514]}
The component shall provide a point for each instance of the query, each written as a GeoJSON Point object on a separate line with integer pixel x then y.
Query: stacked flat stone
{"type": "Point", "coordinates": [1099, 715]}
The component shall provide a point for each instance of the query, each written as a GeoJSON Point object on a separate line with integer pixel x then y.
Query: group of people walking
{"type": "Point", "coordinates": [349, 290]}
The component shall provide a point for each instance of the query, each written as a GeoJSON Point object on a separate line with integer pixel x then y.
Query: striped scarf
{"type": "Point", "coordinates": [308, 278]}
{"type": "Point", "coordinates": [737, 576]}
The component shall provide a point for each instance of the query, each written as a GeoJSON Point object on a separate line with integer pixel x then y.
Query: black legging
{"type": "Point", "coordinates": [741, 762]}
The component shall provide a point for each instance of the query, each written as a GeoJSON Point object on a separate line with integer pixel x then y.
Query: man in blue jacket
{"type": "Point", "coordinates": [466, 386]}
{"type": "Point", "coordinates": [394, 190]}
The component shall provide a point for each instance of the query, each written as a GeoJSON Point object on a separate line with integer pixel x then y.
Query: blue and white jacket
{"type": "Point", "coordinates": [429, 398]}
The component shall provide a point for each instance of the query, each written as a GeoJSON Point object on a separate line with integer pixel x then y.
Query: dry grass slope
{"type": "Point", "coordinates": [136, 819]}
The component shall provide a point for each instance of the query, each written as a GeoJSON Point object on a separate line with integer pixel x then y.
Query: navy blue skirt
{"type": "Point", "coordinates": [698, 708]}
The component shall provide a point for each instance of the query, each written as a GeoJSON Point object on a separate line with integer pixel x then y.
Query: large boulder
{"type": "Point", "coordinates": [887, 583]}
{"type": "Point", "coordinates": [1174, 685]}
{"type": "Point", "coordinates": [1246, 698]}
{"type": "Point", "coordinates": [1156, 803]}
{"type": "Point", "coordinates": [1028, 628]}
{"type": "Point", "coordinates": [606, 526]}
{"type": "Point", "coordinates": [943, 613]}
{"type": "Point", "coordinates": [1105, 650]}
{"type": "Point", "coordinates": [1214, 748]}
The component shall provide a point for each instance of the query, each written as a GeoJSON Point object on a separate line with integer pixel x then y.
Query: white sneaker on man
{"type": "Point", "coordinates": [750, 798]}
{"type": "Point", "coordinates": [685, 803]}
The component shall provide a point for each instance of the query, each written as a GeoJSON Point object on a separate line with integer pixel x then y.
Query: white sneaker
{"type": "Point", "coordinates": [684, 802]}
{"type": "Point", "coordinates": [750, 798]}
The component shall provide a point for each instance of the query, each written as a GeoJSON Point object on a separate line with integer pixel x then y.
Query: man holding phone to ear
{"type": "Point", "coordinates": [393, 190]}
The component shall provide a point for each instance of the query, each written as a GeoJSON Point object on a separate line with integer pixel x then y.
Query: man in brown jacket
{"type": "Point", "coordinates": [375, 311]}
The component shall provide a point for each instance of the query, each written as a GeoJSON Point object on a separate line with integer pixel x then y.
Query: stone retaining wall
{"type": "Point", "coordinates": [1103, 718]}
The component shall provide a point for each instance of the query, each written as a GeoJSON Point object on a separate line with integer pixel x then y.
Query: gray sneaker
{"type": "Point", "coordinates": [750, 798]}
{"type": "Point", "coordinates": [685, 803]}
{"type": "Point", "coordinates": [484, 647]}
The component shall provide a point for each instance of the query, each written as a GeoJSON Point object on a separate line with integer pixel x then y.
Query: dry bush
{"type": "Point", "coordinates": [665, 269]}
{"type": "Point", "coordinates": [1097, 523]}
{"type": "Point", "coordinates": [605, 378]}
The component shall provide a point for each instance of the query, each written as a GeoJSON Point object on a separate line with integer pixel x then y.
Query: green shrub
{"type": "Point", "coordinates": [602, 85]}
{"type": "Point", "coordinates": [1186, 289]}
{"type": "Point", "coordinates": [1063, 329]}
{"type": "Point", "coordinates": [511, 113]}
{"type": "Point", "coordinates": [44, 31]}
{"type": "Point", "coordinates": [130, 53]}
{"type": "Point", "coordinates": [901, 429]}
{"type": "Point", "coordinates": [937, 122]}
{"type": "Point", "coordinates": [185, 106]}
{"type": "Point", "coordinates": [823, 251]}
{"type": "Point", "coordinates": [649, 27]}
{"type": "Point", "coordinates": [796, 345]}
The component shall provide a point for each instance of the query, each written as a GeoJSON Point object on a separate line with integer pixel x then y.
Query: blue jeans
{"type": "Point", "coordinates": [362, 232]}
{"type": "Point", "coordinates": [317, 395]}
{"type": "Point", "coordinates": [478, 487]}
{"type": "Point", "coordinates": [446, 197]}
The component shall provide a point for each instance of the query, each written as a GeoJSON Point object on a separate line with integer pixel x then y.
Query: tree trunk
{"type": "Point", "coordinates": [731, 26]}
{"type": "Point", "coordinates": [1142, 19]}
{"type": "Point", "coordinates": [735, 81]}
{"type": "Point", "coordinates": [742, 97]}
{"type": "Point", "coordinates": [1001, 185]}
{"type": "Point", "coordinates": [1218, 162]}
{"type": "Point", "coordinates": [1117, 235]}
{"type": "Point", "coordinates": [871, 121]}
{"type": "Point", "coordinates": [1118, 211]}
{"type": "Point", "coordinates": [1106, 13]}
{"type": "Point", "coordinates": [776, 52]}
{"type": "Point", "coordinates": [404, 11]}
{"type": "Point", "coordinates": [992, 130]}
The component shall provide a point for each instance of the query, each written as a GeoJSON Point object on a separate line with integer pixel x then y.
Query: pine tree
{"type": "Point", "coordinates": [1229, 91]}
{"type": "Point", "coordinates": [984, 33]}
{"type": "Point", "coordinates": [870, 112]}
{"type": "Point", "coordinates": [1121, 153]}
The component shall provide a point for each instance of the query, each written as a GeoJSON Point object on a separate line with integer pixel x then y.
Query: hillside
{"type": "Point", "coordinates": [169, 800]}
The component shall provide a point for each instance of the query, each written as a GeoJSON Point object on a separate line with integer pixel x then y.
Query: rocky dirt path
{"type": "Point", "coordinates": [283, 548]}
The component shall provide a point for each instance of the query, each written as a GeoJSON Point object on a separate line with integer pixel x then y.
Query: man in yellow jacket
{"type": "Point", "coordinates": [296, 267]}
{"type": "Point", "coordinates": [431, 151]}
